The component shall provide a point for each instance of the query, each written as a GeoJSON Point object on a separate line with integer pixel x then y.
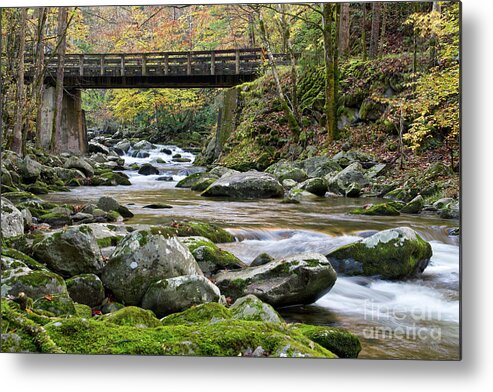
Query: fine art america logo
{"type": "Point", "coordinates": [401, 322]}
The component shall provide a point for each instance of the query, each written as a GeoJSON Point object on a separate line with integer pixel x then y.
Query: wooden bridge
{"type": "Point", "coordinates": [218, 68]}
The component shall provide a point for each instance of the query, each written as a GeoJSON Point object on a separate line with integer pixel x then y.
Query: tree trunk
{"type": "Point", "coordinates": [39, 75]}
{"type": "Point", "coordinates": [344, 30]}
{"type": "Point", "coordinates": [17, 144]}
{"type": "Point", "coordinates": [363, 32]}
{"type": "Point", "coordinates": [375, 29]}
{"type": "Point", "coordinates": [330, 123]}
{"type": "Point", "coordinates": [1, 79]}
{"type": "Point", "coordinates": [381, 44]}
{"type": "Point", "coordinates": [293, 122]}
{"type": "Point", "coordinates": [61, 35]}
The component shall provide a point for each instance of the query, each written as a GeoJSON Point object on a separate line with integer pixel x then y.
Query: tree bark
{"type": "Point", "coordinates": [57, 118]}
{"type": "Point", "coordinates": [344, 30]}
{"type": "Point", "coordinates": [17, 145]}
{"type": "Point", "coordinates": [375, 29]}
{"type": "Point", "coordinates": [363, 33]}
{"type": "Point", "coordinates": [39, 75]}
{"type": "Point", "coordinates": [382, 40]}
{"type": "Point", "coordinates": [330, 105]}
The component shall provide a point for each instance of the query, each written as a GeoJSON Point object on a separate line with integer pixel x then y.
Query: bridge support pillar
{"type": "Point", "coordinates": [72, 136]}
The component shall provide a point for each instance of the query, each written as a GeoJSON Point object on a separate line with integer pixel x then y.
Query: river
{"type": "Point", "coordinates": [412, 319]}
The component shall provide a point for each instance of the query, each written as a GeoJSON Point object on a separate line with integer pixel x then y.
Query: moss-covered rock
{"type": "Point", "coordinates": [285, 170]}
{"type": "Point", "coordinates": [211, 312]}
{"type": "Point", "coordinates": [383, 209]}
{"type": "Point", "coordinates": [83, 311]}
{"type": "Point", "coordinates": [19, 197]}
{"type": "Point", "coordinates": [202, 229]}
{"type": "Point", "coordinates": [298, 279]}
{"type": "Point", "coordinates": [173, 295]}
{"type": "Point", "coordinates": [115, 178]}
{"type": "Point", "coordinates": [86, 289]}
{"type": "Point", "coordinates": [70, 252]}
{"type": "Point", "coordinates": [28, 260]}
{"type": "Point", "coordinates": [394, 253]}
{"type": "Point", "coordinates": [132, 316]}
{"type": "Point", "coordinates": [250, 308]}
{"type": "Point", "coordinates": [337, 340]}
{"type": "Point", "coordinates": [317, 186]}
{"type": "Point", "coordinates": [11, 220]}
{"type": "Point", "coordinates": [414, 206]}
{"type": "Point", "coordinates": [38, 188]}
{"type": "Point", "coordinates": [210, 257]}
{"type": "Point", "coordinates": [144, 257]}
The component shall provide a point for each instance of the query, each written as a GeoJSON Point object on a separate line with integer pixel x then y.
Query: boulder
{"type": "Point", "coordinates": [132, 316]}
{"type": "Point", "coordinates": [68, 174]}
{"type": "Point", "coordinates": [341, 182]}
{"type": "Point", "coordinates": [249, 185]}
{"type": "Point", "coordinates": [115, 178]}
{"type": "Point", "coordinates": [70, 252]}
{"type": "Point", "coordinates": [383, 209]}
{"type": "Point", "coordinates": [221, 171]}
{"type": "Point", "coordinates": [11, 219]}
{"type": "Point", "coordinates": [195, 179]}
{"type": "Point", "coordinates": [140, 154]}
{"type": "Point", "coordinates": [250, 308]}
{"type": "Point", "coordinates": [394, 253]}
{"type": "Point", "coordinates": [284, 170]}
{"type": "Point", "coordinates": [81, 164]}
{"type": "Point", "coordinates": [47, 289]}
{"type": "Point", "coordinates": [147, 169]}
{"type": "Point", "coordinates": [143, 257]}
{"type": "Point", "coordinates": [166, 151]}
{"type": "Point", "coordinates": [320, 166]}
{"type": "Point", "coordinates": [209, 256]}
{"type": "Point", "coordinates": [317, 186]}
{"type": "Point", "coordinates": [108, 204]}
{"type": "Point", "coordinates": [261, 259]}
{"type": "Point", "coordinates": [165, 178]}
{"type": "Point", "coordinates": [414, 206]}
{"type": "Point", "coordinates": [450, 210]}
{"type": "Point", "coordinates": [143, 145]}
{"type": "Point", "coordinates": [94, 147]}
{"type": "Point", "coordinates": [86, 289]}
{"type": "Point", "coordinates": [123, 145]}
{"type": "Point", "coordinates": [30, 169]}
{"type": "Point", "coordinates": [177, 294]}
{"type": "Point", "coordinates": [289, 184]}
{"type": "Point", "coordinates": [346, 158]}
{"type": "Point", "coordinates": [294, 280]}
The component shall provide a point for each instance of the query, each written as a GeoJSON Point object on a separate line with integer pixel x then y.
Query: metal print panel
{"type": "Point", "coordinates": [253, 180]}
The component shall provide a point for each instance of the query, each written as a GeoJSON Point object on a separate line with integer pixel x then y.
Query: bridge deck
{"type": "Point", "coordinates": [219, 68]}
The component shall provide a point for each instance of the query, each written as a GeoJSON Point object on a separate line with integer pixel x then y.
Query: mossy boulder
{"type": "Point", "coordinates": [261, 259]}
{"type": "Point", "coordinates": [28, 260]}
{"type": "Point", "coordinates": [147, 169]}
{"type": "Point", "coordinates": [80, 164]}
{"type": "Point", "coordinates": [202, 229]}
{"type": "Point", "coordinates": [337, 340]}
{"type": "Point", "coordinates": [30, 169]}
{"type": "Point", "coordinates": [133, 316]}
{"type": "Point", "coordinates": [414, 206]}
{"type": "Point", "coordinates": [195, 178]}
{"type": "Point", "coordinates": [393, 254]}
{"type": "Point", "coordinates": [47, 290]}
{"type": "Point", "coordinates": [86, 289]}
{"type": "Point", "coordinates": [252, 309]}
{"type": "Point", "coordinates": [174, 295]}
{"type": "Point", "coordinates": [20, 197]}
{"type": "Point", "coordinates": [450, 210]}
{"type": "Point", "coordinates": [371, 110]}
{"type": "Point", "coordinates": [109, 204]}
{"type": "Point", "coordinates": [284, 170]}
{"type": "Point", "coordinates": [320, 166]}
{"type": "Point", "coordinates": [317, 186]}
{"type": "Point", "coordinates": [70, 252]}
{"type": "Point", "coordinates": [11, 220]}
{"type": "Point", "coordinates": [341, 182]}
{"type": "Point", "coordinates": [249, 185]}
{"type": "Point", "coordinates": [294, 280]}
{"type": "Point", "coordinates": [38, 188]}
{"type": "Point", "coordinates": [346, 158]}
{"type": "Point", "coordinates": [383, 209]}
{"type": "Point", "coordinates": [144, 257]}
{"type": "Point", "coordinates": [210, 257]}
{"type": "Point", "coordinates": [115, 178]}
{"type": "Point", "coordinates": [56, 219]}
{"type": "Point", "coordinates": [202, 185]}
{"type": "Point", "coordinates": [210, 312]}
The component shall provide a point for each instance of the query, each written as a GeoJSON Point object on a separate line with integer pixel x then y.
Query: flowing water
{"type": "Point", "coordinates": [416, 318]}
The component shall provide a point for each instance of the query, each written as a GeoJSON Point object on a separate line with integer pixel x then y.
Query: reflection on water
{"type": "Point", "coordinates": [415, 318]}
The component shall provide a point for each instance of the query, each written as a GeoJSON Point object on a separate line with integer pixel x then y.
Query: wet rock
{"type": "Point", "coordinates": [70, 252]}
{"type": "Point", "coordinates": [143, 257]}
{"type": "Point", "coordinates": [196, 178]}
{"type": "Point", "coordinates": [249, 185]}
{"type": "Point", "coordinates": [81, 164]}
{"type": "Point", "coordinates": [209, 256]}
{"type": "Point", "coordinates": [166, 151]}
{"type": "Point", "coordinates": [123, 145]}
{"type": "Point", "coordinates": [221, 171]}
{"type": "Point", "coordinates": [165, 178]}
{"type": "Point", "coordinates": [158, 206]}
{"type": "Point", "coordinates": [147, 169]}
{"type": "Point", "coordinates": [294, 280]}
{"type": "Point", "coordinates": [316, 186]}
{"type": "Point", "coordinates": [341, 182]}
{"type": "Point", "coordinates": [261, 259]}
{"type": "Point", "coordinates": [174, 295]}
{"type": "Point", "coordinates": [414, 206]}
{"type": "Point", "coordinates": [143, 145]}
{"type": "Point", "coordinates": [383, 209]}
{"type": "Point", "coordinates": [11, 219]}
{"type": "Point", "coordinates": [86, 289]}
{"type": "Point", "coordinates": [140, 154]}
{"type": "Point", "coordinates": [94, 147]}
{"type": "Point", "coordinates": [394, 253]}
{"type": "Point", "coordinates": [181, 160]}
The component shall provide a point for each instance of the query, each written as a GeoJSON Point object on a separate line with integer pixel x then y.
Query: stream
{"type": "Point", "coordinates": [411, 319]}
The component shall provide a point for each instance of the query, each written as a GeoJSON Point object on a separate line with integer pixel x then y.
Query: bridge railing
{"type": "Point", "coordinates": [218, 62]}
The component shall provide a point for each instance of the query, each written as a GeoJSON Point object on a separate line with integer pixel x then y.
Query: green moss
{"type": "Point", "coordinates": [384, 209]}
{"type": "Point", "coordinates": [83, 311]}
{"type": "Point", "coordinates": [337, 340]}
{"type": "Point", "coordinates": [202, 229]}
{"type": "Point", "coordinates": [18, 255]}
{"type": "Point", "coordinates": [132, 316]}
{"type": "Point", "coordinates": [19, 197]}
{"type": "Point", "coordinates": [203, 185]}
{"type": "Point", "coordinates": [108, 241]}
{"type": "Point", "coordinates": [224, 338]}
{"type": "Point", "coordinates": [115, 178]}
{"type": "Point", "coordinates": [205, 313]}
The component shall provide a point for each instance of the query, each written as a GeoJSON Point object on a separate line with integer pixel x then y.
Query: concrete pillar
{"type": "Point", "coordinates": [72, 136]}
